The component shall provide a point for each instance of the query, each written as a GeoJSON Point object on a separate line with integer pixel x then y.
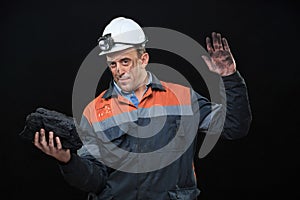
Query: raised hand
{"type": "Point", "coordinates": [221, 60]}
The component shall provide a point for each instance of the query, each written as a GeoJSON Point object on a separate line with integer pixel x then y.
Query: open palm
{"type": "Point", "coordinates": [221, 60]}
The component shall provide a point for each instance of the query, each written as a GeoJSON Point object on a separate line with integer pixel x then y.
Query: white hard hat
{"type": "Point", "coordinates": [121, 33]}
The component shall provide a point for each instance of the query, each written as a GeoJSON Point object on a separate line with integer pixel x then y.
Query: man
{"type": "Point", "coordinates": [139, 134]}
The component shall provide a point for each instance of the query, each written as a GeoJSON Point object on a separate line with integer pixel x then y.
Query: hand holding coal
{"type": "Point", "coordinates": [62, 125]}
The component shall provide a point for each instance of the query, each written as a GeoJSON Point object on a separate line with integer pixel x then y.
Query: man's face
{"type": "Point", "coordinates": [128, 69]}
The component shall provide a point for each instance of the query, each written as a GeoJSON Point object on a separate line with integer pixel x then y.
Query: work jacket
{"type": "Point", "coordinates": [147, 151]}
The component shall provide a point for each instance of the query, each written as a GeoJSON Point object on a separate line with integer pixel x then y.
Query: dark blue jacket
{"type": "Point", "coordinates": [147, 152]}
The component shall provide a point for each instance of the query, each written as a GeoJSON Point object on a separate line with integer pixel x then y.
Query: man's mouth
{"type": "Point", "coordinates": [123, 79]}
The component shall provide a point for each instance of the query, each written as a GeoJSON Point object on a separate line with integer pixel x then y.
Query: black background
{"type": "Point", "coordinates": [43, 44]}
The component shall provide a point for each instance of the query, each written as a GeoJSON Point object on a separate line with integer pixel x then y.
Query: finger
{"type": "Point", "coordinates": [58, 143]}
{"type": "Point", "coordinates": [43, 137]}
{"type": "Point", "coordinates": [37, 140]}
{"type": "Point", "coordinates": [225, 44]}
{"type": "Point", "coordinates": [219, 41]}
{"type": "Point", "coordinates": [51, 142]}
{"type": "Point", "coordinates": [209, 46]}
{"type": "Point", "coordinates": [216, 41]}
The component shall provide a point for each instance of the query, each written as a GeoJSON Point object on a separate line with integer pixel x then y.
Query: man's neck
{"type": "Point", "coordinates": [139, 91]}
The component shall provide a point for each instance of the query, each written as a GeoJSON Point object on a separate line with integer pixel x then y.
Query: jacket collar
{"type": "Point", "coordinates": [155, 84]}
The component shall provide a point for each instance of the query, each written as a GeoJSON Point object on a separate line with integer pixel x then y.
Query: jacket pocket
{"type": "Point", "coordinates": [184, 193]}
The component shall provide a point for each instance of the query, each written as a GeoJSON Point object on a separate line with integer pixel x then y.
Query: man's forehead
{"type": "Point", "coordinates": [121, 54]}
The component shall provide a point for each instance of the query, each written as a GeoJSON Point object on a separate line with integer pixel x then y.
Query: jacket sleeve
{"type": "Point", "coordinates": [86, 174]}
{"type": "Point", "coordinates": [238, 112]}
{"type": "Point", "coordinates": [231, 121]}
{"type": "Point", "coordinates": [84, 171]}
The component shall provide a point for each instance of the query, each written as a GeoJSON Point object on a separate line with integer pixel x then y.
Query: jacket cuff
{"type": "Point", "coordinates": [233, 80]}
{"type": "Point", "coordinates": [71, 165]}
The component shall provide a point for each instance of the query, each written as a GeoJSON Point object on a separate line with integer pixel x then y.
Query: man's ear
{"type": "Point", "coordinates": [145, 59]}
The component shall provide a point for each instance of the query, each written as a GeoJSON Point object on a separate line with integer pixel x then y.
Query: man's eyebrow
{"type": "Point", "coordinates": [109, 62]}
{"type": "Point", "coordinates": [125, 58]}
{"type": "Point", "coordinates": [121, 59]}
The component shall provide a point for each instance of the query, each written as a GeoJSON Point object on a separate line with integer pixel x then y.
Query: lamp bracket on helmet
{"type": "Point", "coordinates": [106, 42]}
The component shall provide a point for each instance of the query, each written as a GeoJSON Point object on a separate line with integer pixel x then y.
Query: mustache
{"type": "Point", "coordinates": [123, 76]}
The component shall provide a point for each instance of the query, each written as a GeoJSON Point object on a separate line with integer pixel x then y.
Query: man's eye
{"type": "Point", "coordinates": [125, 61]}
{"type": "Point", "coordinates": [112, 65]}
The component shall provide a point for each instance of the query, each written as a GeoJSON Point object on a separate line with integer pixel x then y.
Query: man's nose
{"type": "Point", "coordinates": [120, 69]}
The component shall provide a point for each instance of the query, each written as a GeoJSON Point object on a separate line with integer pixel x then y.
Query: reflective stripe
{"type": "Point", "coordinates": [155, 111]}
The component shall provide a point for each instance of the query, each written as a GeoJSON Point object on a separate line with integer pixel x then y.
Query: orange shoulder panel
{"type": "Point", "coordinates": [175, 95]}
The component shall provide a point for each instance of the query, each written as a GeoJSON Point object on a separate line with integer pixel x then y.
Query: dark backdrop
{"type": "Point", "coordinates": [43, 44]}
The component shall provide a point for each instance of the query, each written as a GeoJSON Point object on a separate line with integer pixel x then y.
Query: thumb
{"type": "Point", "coordinates": [208, 61]}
